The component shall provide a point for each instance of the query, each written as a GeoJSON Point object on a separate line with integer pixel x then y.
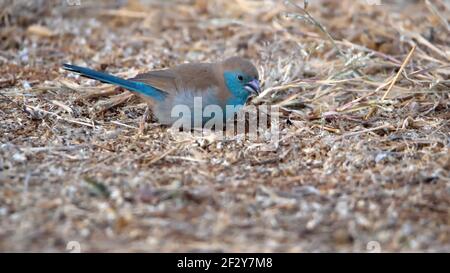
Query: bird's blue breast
{"type": "Point", "coordinates": [185, 104]}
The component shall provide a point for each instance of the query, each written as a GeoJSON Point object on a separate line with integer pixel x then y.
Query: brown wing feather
{"type": "Point", "coordinates": [164, 80]}
{"type": "Point", "coordinates": [183, 77]}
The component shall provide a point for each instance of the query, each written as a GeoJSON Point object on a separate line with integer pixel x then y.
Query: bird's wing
{"type": "Point", "coordinates": [184, 77]}
{"type": "Point", "coordinates": [164, 80]}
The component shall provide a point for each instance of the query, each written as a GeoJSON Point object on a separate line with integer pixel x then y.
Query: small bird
{"type": "Point", "coordinates": [226, 84]}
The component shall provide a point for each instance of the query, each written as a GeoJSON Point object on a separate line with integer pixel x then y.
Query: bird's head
{"type": "Point", "coordinates": [241, 77]}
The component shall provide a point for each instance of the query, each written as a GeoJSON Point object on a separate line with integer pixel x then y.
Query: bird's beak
{"type": "Point", "coordinates": [253, 86]}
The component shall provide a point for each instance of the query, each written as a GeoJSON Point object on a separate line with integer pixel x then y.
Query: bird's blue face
{"type": "Point", "coordinates": [241, 85]}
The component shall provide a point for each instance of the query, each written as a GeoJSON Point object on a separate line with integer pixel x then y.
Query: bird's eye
{"type": "Point", "coordinates": [240, 78]}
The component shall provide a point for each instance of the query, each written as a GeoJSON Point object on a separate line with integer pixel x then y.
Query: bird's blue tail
{"type": "Point", "coordinates": [139, 87]}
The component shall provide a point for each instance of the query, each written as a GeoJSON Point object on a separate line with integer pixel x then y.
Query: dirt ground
{"type": "Point", "coordinates": [362, 162]}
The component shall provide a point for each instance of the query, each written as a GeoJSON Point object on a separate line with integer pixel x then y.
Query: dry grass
{"type": "Point", "coordinates": [364, 151]}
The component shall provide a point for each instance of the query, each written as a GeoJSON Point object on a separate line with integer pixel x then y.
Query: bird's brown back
{"type": "Point", "coordinates": [196, 76]}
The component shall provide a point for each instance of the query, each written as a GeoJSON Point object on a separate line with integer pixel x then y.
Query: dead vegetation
{"type": "Point", "coordinates": [364, 128]}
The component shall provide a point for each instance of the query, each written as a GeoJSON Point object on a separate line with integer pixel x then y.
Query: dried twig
{"type": "Point", "coordinates": [394, 80]}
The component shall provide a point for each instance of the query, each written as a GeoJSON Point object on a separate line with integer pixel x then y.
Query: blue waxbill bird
{"type": "Point", "coordinates": [226, 83]}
